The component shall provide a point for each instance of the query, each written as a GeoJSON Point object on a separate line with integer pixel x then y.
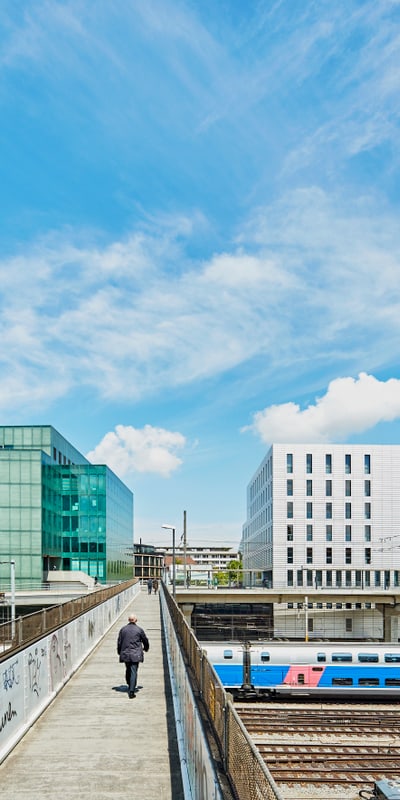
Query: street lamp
{"type": "Point", "coordinates": [171, 528]}
{"type": "Point", "coordinates": [12, 582]}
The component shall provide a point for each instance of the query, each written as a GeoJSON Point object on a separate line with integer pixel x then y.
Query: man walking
{"type": "Point", "coordinates": [132, 641]}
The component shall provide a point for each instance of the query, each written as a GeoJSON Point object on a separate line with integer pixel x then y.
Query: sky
{"type": "Point", "coordinates": [199, 238]}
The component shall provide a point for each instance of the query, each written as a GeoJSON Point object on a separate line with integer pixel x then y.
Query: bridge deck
{"type": "Point", "coordinates": [93, 741]}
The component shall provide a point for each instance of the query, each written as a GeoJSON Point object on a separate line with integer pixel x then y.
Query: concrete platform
{"type": "Point", "coordinates": [93, 741]}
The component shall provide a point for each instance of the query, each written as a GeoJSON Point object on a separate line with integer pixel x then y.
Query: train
{"type": "Point", "coordinates": [319, 669]}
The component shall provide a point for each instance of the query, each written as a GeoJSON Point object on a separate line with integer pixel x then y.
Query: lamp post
{"type": "Point", "coordinates": [12, 586]}
{"type": "Point", "coordinates": [171, 528]}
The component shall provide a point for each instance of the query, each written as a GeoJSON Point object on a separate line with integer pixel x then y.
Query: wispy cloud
{"type": "Point", "coordinates": [350, 406]}
{"type": "Point", "coordinates": [129, 450]}
{"type": "Point", "coordinates": [305, 282]}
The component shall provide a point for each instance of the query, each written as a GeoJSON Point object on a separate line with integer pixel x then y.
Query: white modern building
{"type": "Point", "coordinates": [324, 515]}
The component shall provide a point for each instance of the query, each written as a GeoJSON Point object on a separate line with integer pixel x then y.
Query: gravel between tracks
{"type": "Point", "coordinates": [297, 789]}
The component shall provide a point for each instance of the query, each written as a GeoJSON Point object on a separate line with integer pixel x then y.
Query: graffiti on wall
{"type": "Point", "coordinates": [10, 707]}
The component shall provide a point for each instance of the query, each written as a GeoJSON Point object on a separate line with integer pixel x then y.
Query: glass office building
{"type": "Point", "coordinates": [59, 511]}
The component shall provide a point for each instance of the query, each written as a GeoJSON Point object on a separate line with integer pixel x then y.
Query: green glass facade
{"type": "Point", "coordinates": [59, 511]}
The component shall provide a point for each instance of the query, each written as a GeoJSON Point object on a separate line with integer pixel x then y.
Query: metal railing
{"type": "Point", "coordinates": [247, 772]}
{"type": "Point", "coordinates": [33, 626]}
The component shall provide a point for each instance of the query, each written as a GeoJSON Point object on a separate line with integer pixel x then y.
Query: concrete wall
{"type": "Point", "coordinates": [199, 778]}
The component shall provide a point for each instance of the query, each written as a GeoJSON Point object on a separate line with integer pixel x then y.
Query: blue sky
{"type": "Point", "coordinates": [199, 237]}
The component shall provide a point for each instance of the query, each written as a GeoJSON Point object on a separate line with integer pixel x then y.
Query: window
{"type": "Point", "coordinates": [338, 578]}
{"type": "Point", "coordinates": [290, 577]}
{"type": "Point", "coordinates": [309, 533]}
{"type": "Point", "coordinates": [367, 584]}
{"type": "Point", "coordinates": [347, 488]}
{"type": "Point", "coordinates": [289, 533]}
{"type": "Point", "coordinates": [349, 624]}
{"type": "Point", "coordinates": [265, 656]}
{"type": "Point", "coordinates": [328, 463]}
{"type": "Point", "coordinates": [329, 583]}
{"type": "Point", "coordinates": [328, 488]}
{"type": "Point", "coordinates": [289, 487]}
{"type": "Point", "coordinates": [392, 681]}
{"type": "Point", "coordinates": [367, 510]}
{"type": "Point", "coordinates": [310, 627]}
{"type": "Point", "coordinates": [392, 658]}
{"type": "Point", "coordinates": [318, 582]}
{"type": "Point", "coordinates": [309, 577]}
{"type": "Point", "coordinates": [342, 657]}
{"type": "Point", "coordinates": [377, 578]}
{"type": "Point", "coordinates": [289, 462]}
{"type": "Point", "coordinates": [328, 533]}
{"type": "Point", "coordinates": [309, 463]}
{"type": "Point", "coordinates": [299, 577]}
{"type": "Point", "coordinates": [289, 510]}
{"type": "Point", "coordinates": [367, 464]}
{"type": "Point", "coordinates": [228, 653]}
{"type": "Point", "coordinates": [367, 488]}
{"type": "Point", "coordinates": [329, 555]}
{"type": "Point", "coordinates": [347, 533]}
{"type": "Point", "coordinates": [368, 658]}
{"type": "Point", "coordinates": [347, 463]}
{"type": "Point", "coordinates": [387, 578]}
{"type": "Point", "coordinates": [368, 681]}
{"type": "Point", "coordinates": [328, 510]}
{"type": "Point", "coordinates": [367, 533]}
{"type": "Point", "coordinates": [347, 510]}
{"type": "Point", "coordinates": [309, 488]}
{"type": "Point", "coordinates": [309, 510]}
{"type": "Point", "coordinates": [289, 555]}
{"type": "Point", "coordinates": [309, 555]}
{"type": "Point", "coordinates": [367, 555]}
{"type": "Point", "coordinates": [348, 577]}
{"type": "Point", "coordinates": [342, 681]}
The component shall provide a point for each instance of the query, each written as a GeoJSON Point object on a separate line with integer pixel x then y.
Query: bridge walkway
{"type": "Point", "coordinates": [95, 742]}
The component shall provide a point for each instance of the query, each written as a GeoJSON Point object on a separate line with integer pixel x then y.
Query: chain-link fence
{"type": "Point", "coordinates": [247, 772]}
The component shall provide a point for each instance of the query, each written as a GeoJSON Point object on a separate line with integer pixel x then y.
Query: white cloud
{"type": "Point", "coordinates": [308, 282]}
{"type": "Point", "coordinates": [128, 450]}
{"type": "Point", "coordinates": [350, 406]}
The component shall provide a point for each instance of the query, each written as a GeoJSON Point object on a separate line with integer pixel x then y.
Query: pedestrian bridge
{"type": "Point", "coordinates": [69, 729]}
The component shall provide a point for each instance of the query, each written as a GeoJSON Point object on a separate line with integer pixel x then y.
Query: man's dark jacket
{"type": "Point", "coordinates": [132, 640]}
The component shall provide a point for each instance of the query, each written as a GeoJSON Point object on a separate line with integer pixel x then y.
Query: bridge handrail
{"type": "Point", "coordinates": [25, 630]}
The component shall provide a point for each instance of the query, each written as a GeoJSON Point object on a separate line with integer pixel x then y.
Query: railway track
{"type": "Point", "coordinates": [333, 759]}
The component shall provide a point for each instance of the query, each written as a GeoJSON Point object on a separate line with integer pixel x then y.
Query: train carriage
{"type": "Point", "coordinates": [314, 669]}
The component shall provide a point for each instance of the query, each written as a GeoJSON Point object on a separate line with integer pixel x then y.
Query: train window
{"type": "Point", "coordinates": [265, 656]}
{"type": "Point", "coordinates": [392, 681]}
{"type": "Point", "coordinates": [368, 657]}
{"type": "Point", "coordinates": [228, 653]}
{"type": "Point", "coordinates": [342, 657]}
{"type": "Point", "coordinates": [392, 657]}
{"type": "Point", "coordinates": [300, 678]}
{"type": "Point", "coordinates": [342, 681]}
{"type": "Point", "coordinates": [368, 681]}
{"type": "Point", "coordinates": [317, 669]}
{"type": "Point", "coordinates": [321, 656]}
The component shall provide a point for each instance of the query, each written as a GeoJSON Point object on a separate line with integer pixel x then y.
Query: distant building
{"type": "Point", "coordinates": [148, 562]}
{"type": "Point", "coordinates": [213, 558]}
{"type": "Point", "coordinates": [324, 515]}
{"type": "Point", "coordinates": [59, 511]}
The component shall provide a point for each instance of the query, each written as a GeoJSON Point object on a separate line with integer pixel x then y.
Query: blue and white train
{"type": "Point", "coordinates": [366, 669]}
